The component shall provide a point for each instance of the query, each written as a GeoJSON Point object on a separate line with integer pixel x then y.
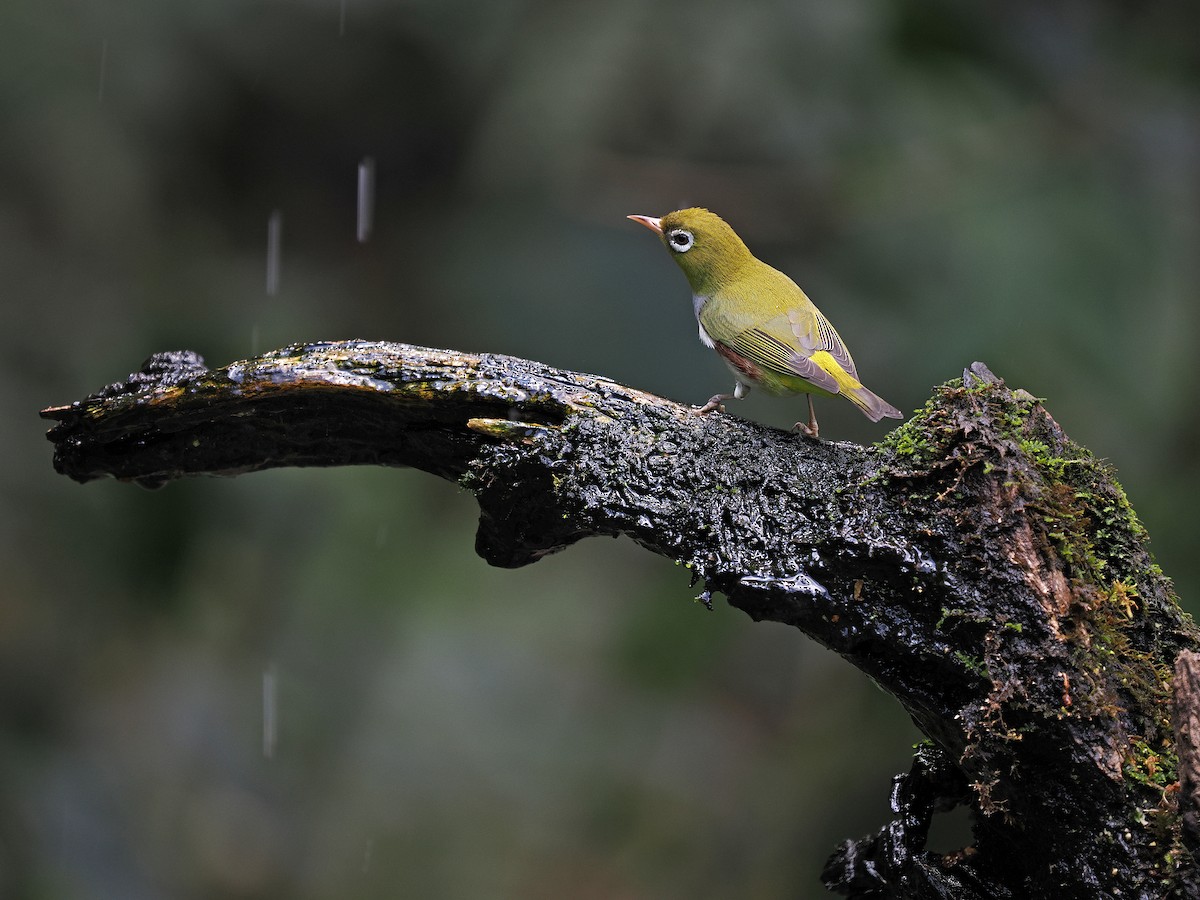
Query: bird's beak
{"type": "Point", "coordinates": [650, 222]}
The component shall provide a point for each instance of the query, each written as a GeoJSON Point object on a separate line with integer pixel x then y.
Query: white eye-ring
{"type": "Point", "coordinates": [681, 241]}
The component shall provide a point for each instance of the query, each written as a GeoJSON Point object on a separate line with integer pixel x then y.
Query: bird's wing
{"type": "Point", "coordinates": [814, 333]}
{"type": "Point", "coordinates": [765, 346]}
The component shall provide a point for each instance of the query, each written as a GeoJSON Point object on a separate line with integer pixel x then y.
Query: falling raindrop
{"type": "Point", "coordinates": [269, 721]}
{"type": "Point", "coordinates": [342, 18]}
{"type": "Point", "coordinates": [274, 247]}
{"type": "Point", "coordinates": [366, 198]}
{"type": "Point", "coordinates": [103, 70]}
{"type": "Point", "coordinates": [254, 339]}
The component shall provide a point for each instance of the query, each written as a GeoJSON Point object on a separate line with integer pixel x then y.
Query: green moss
{"type": "Point", "coordinates": [1118, 617]}
{"type": "Point", "coordinates": [953, 616]}
{"type": "Point", "coordinates": [909, 441]}
{"type": "Point", "coordinates": [973, 664]}
{"type": "Point", "coordinates": [1151, 766]}
{"type": "Point", "coordinates": [1100, 543]}
{"type": "Point", "coordinates": [921, 438]}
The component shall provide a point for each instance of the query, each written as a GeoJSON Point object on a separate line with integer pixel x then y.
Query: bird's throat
{"type": "Point", "coordinates": [698, 302]}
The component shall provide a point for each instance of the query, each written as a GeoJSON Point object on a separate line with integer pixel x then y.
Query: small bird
{"type": "Point", "coordinates": [759, 321]}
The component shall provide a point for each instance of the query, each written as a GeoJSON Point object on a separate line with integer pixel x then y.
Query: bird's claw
{"type": "Point", "coordinates": [716, 403]}
{"type": "Point", "coordinates": [809, 431]}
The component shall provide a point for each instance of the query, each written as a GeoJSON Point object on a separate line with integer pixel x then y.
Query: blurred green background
{"type": "Point", "coordinates": [1016, 183]}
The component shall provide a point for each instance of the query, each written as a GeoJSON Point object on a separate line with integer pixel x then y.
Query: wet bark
{"type": "Point", "coordinates": [977, 564]}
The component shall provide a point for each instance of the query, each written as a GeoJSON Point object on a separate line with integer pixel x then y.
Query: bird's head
{"type": "Point", "coordinates": [706, 248]}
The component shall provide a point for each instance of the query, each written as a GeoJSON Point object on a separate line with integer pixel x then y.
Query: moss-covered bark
{"type": "Point", "coordinates": [978, 564]}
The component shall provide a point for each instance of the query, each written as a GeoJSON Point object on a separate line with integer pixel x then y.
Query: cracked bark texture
{"type": "Point", "coordinates": [980, 566]}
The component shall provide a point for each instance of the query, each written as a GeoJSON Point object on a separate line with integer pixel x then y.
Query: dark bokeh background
{"type": "Point", "coordinates": [1017, 183]}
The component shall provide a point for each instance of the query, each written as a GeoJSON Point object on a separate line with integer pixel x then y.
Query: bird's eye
{"type": "Point", "coordinates": [681, 241]}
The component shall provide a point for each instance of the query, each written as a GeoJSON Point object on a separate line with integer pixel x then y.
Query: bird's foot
{"type": "Point", "coordinates": [716, 403]}
{"type": "Point", "coordinates": [808, 429]}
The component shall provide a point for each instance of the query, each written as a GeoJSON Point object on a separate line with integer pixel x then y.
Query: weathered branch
{"type": "Point", "coordinates": [979, 565]}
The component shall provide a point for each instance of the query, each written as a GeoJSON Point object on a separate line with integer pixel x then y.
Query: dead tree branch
{"type": "Point", "coordinates": [979, 565]}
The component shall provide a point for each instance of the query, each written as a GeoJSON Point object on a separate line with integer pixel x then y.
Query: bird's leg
{"type": "Point", "coordinates": [810, 429]}
{"type": "Point", "coordinates": [717, 401]}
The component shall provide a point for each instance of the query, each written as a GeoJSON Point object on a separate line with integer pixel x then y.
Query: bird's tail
{"type": "Point", "coordinates": [872, 405]}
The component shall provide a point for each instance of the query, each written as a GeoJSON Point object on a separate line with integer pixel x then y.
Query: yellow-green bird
{"type": "Point", "coordinates": [765, 328]}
